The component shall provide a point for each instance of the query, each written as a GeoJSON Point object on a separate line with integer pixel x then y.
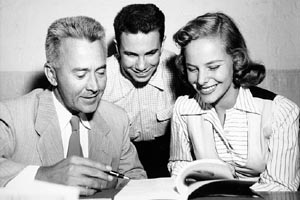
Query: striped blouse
{"type": "Point", "coordinates": [281, 171]}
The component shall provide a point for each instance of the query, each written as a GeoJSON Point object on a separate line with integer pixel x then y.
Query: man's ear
{"type": "Point", "coordinates": [116, 47]}
{"type": "Point", "coordinates": [163, 43]}
{"type": "Point", "coordinates": [50, 74]}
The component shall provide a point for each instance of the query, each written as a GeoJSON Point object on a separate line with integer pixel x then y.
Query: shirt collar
{"type": "Point", "coordinates": [85, 122]}
{"type": "Point", "coordinates": [157, 79]}
{"type": "Point", "coordinates": [64, 116]}
{"type": "Point", "coordinates": [197, 107]}
{"type": "Point", "coordinates": [245, 101]}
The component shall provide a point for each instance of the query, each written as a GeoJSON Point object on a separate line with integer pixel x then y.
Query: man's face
{"type": "Point", "coordinates": [81, 74]}
{"type": "Point", "coordinates": [139, 55]}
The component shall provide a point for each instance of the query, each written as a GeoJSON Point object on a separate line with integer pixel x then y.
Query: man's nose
{"type": "Point", "coordinates": [141, 64]}
{"type": "Point", "coordinates": [93, 83]}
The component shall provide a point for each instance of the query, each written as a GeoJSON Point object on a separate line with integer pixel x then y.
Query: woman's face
{"type": "Point", "coordinates": [210, 70]}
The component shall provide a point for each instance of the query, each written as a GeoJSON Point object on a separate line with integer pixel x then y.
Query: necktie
{"type": "Point", "coordinates": [74, 142]}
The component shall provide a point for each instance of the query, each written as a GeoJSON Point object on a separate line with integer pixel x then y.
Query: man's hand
{"type": "Point", "coordinates": [76, 171]}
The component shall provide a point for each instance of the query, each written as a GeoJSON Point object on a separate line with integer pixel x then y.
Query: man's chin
{"type": "Point", "coordinates": [87, 109]}
{"type": "Point", "coordinates": [141, 82]}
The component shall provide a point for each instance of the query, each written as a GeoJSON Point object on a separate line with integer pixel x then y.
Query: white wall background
{"type": "Point", "coordinates": [270, 27]}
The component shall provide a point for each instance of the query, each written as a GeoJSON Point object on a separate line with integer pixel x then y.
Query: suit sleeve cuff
{"type": "Point", "coordinates": [26, 176]}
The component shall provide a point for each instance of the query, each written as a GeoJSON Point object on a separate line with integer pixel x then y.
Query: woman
{"type": "Point", "coordinates": [227, 117]}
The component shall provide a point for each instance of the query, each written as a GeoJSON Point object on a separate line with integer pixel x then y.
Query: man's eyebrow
{"type": "Point", "coordinates": [102, 67]}
{"type": "Point", "coordinates": [152, 51]}
{"type": "Point", "coordinates": [129, 52]}
{"type": "Point", "coordinates": [133, 53]}
{"type": "Point", "coordinates": [87, 69]}
{"type": "Point", "coordinates": [77, 69]}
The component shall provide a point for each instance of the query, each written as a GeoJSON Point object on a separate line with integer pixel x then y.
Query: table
{"type": "Point", "coordinates": [266, 196]}
{"type": "Point", "coordinates": [163, 188]}
{"type": "Point", "coordinates": [103, 194]}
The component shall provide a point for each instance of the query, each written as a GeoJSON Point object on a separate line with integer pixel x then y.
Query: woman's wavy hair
{"type": "Point", "coordinates": [246, 73]}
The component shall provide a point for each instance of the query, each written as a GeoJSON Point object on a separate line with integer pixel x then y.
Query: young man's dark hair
{"type": "Point", "coordinates": [136, 18]}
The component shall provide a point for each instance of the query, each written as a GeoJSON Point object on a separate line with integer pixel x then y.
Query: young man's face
{"type": "Point", "coordinates": [139, 55]}
{"type": "Point", "coordinates": [80, 74]}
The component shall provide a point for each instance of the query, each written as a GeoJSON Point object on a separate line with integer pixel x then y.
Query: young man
{"type": "Point", "coordinates": [36, 131]}
{"type": "Point", "coordinates": [141, 79]}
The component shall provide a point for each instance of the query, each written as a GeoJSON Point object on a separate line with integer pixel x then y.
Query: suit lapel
{"type": "Point", "coordinates": [49, 146]}
{"type": "Point", "coordinates": [99, 142]}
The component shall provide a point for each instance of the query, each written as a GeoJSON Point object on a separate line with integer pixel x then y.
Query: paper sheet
{"type": "Point", "coordinates": [146, 189]}
{"type": "Point", "coordinates": [39, 190]}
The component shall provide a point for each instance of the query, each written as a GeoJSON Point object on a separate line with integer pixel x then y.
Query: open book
{"type": "Point", "coordinates": [199, 178]}
{"type": "Point", "coordinates": [210, 177]}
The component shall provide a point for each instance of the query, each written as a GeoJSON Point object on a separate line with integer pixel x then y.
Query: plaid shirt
{"type": "Point", "coordinates": [149, 108]}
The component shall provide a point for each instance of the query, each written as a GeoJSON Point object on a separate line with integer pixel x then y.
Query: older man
{"type": "Point", "coordinates": [67, 134]}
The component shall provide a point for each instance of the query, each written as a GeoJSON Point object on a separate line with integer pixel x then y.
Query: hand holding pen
{"type": "Point", "coordinates": [88, 175]}
{"type": "Point", "coordinates": [117, 174]}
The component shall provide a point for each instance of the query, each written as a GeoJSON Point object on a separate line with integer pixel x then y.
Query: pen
{"type": "Point", "coordinates": [117, 174]}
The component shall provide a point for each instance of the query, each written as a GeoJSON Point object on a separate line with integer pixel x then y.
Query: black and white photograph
{"type": "Point", "coordinates": [143, 100]}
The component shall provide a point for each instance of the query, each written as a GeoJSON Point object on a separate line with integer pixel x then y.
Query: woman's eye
{"type": "Point", "coordinates": [214, 67]}
{"type": "Point", "coordinates": [192, 69]}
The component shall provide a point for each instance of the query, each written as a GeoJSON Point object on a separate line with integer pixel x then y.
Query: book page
{"type": "Point", "coordinates": [199, 171]}
{"type": "Point", "coordinates": [211, 177]}
{"type": "Point", "coordinates": [222, 187]}
{"type": "Point", "coordinates": [146, 189]}
{"type": "Point", "coordinates": [40, 190]}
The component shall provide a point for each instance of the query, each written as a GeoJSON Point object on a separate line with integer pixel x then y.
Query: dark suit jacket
{"type": "Point", "coordinates": [30, 135]}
